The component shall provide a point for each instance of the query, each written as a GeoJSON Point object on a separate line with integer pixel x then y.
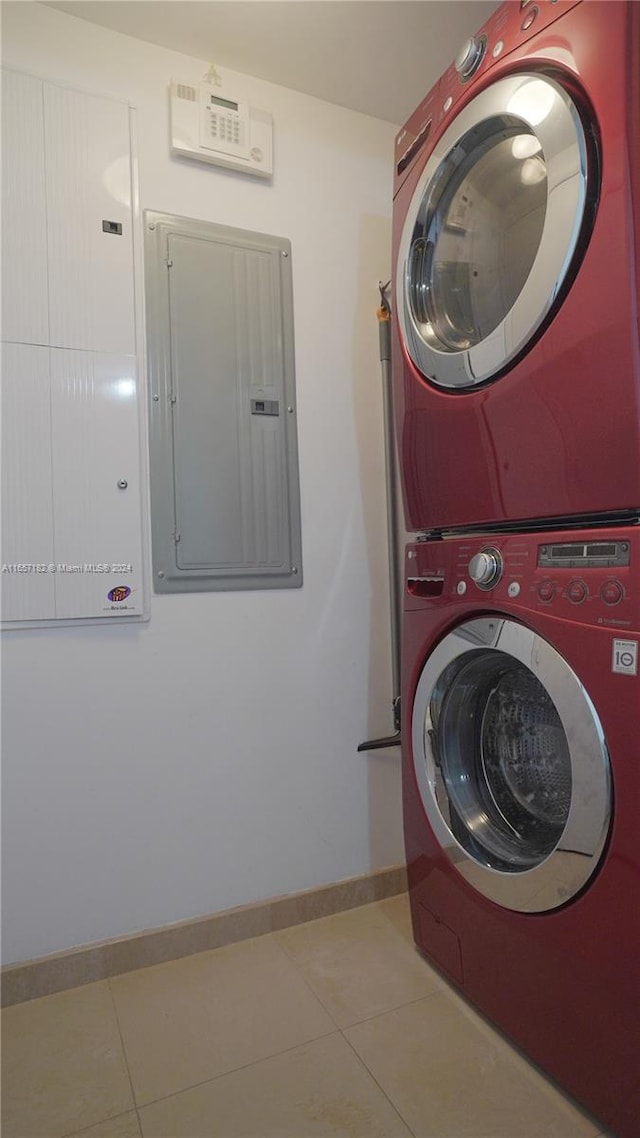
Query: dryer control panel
{"type": "Point", "coordinates": [513, 24]}
{"type": "Point", "coordinates": [583, 575]}
{"type": "Point", "coordinates": [510, 26]}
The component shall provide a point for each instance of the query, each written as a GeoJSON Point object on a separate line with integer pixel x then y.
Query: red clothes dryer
{"type": "Point", "coordinates": [521, 783]}
{"type": "Point", "coordinates": [516, 252]}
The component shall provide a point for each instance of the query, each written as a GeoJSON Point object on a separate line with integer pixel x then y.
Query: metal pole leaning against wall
{"type": "Point", "coordinates": [384, 333]}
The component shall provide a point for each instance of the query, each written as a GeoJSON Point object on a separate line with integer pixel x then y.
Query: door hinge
{"type": "Point", "coordinates": [176, 536]}
{"type": "Point", "coordinates": [169, 263]}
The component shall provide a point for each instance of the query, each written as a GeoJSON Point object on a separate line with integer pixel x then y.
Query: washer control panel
{"type": "Point", "coordinates": [574, 576]}
{"type": "Point", "coordinates": [573, 562]}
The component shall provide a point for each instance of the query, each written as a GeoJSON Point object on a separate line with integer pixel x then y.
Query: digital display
{"type": "Point", "coordinates": [587, 555]}
{"type": "Point", "coordinates": [223, 103]}
{"type": "Point", "coordinates": [601, 550]}
{"type": "Point", "coordinates": [566, 550]}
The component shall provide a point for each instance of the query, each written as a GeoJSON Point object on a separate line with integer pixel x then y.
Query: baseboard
{"type": "Point", "coordinates": [76, 966]}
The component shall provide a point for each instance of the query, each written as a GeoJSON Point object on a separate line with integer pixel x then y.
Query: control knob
{"type": "Point", "coordinates": [485, 569]}
{"type": "Point", "coordinates": [612, 592]}
{"type": "Point", "coordinates": [470, 56]}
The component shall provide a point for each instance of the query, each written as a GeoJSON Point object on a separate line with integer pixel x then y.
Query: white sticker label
{"type": "Point", "coordinates": [625, 657]}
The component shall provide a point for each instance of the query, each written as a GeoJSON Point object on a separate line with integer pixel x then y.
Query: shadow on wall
{"type": "Point", "coordinates": [384, 788]}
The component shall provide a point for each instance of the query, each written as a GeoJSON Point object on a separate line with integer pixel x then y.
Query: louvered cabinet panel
{"type": "Point", "coordinates": [28, 548]}
{"type": "Point", "coordinates": [88, 163]}
{"type": "Point", "coordinates": [25, 316]}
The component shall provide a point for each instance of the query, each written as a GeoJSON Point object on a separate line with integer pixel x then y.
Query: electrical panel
{"type": "Point", "coordinates": [225, 498]}
{"type": "Point", "coordinates": [213, 127]}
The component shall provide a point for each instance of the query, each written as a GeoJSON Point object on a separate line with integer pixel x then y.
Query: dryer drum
{"type": "Point", "coordinates": [484, 230]}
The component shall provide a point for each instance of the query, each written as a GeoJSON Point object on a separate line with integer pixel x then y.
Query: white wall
{"type": "Point", "coordinates": [208, 759]}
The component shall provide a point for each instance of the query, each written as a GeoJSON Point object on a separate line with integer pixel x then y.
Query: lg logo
{"type": "Point", "coordinates": [625, 657]}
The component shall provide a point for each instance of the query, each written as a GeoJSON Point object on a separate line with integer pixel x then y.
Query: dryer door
{"type": "Point", "coordinates": [512, 764]}
{"type": "Point", "coordinates": [493, 230]}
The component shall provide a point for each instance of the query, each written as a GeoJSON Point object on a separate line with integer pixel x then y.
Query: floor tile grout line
{"type": "Point", "coordinates": [445, 988]}
{"type": "Point", "coordinates": [234, 1070]}
{"type": "Point", "coordinates": [337, 1030]}
{"type": "Point", "coordinates": [124, 1052]}
{"type": "Point", "coordinates": [306, 983]}
{"type": "Point", "coordinates": [121, 1113]}
{"type": "Point", "coordinates": [92, 1125]}
{"type": "Point", "coordinates": [395, 1008]}
{"type": "Point", "coordinates": [366, 1019]}
{"type": "Point", "coordinates": [380, 1088]}
{"type": "Point", "coordinates": [383, 923]}
{"type": "Point", "coordinates": [271, 932]}
{"type": "Point", "coordinates": [528, 1066]}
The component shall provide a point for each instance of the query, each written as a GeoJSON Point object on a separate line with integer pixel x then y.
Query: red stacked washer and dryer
{"type": "Point", "coordinates": [516, 373]}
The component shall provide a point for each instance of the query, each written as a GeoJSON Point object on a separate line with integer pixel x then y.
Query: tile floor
{"type": "Point", "coordinates": [332, 1029]}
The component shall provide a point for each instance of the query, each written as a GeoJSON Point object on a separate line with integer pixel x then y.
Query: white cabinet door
{"type": "Point", "coordinates": [28, 552]}
{"type": "Point", "coordinates": [25, 315]}
{"type": "Point", "coordinates": [88, 163]}
{"type": "Point", "coordinates": [71, 462]}
{"type": "Point", "coordinates": [96, 480]}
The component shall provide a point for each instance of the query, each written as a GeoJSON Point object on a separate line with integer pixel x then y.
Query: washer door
{"type": "Point", "coordinates": [511, 764]}
{"type": "Point", "coordinates": [492, 230]}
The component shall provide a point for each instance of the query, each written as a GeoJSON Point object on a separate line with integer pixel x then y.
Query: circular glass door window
{"type": "Point", "coordinates": [492, 231]}
{"type": "Point", "coordinates": [504, 760]}
{"type": "Point", "coordinates": [511, 764]}
{"type": "Point", "coordinates": [474, 250]}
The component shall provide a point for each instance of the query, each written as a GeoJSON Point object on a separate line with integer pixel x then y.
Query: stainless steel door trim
{"type": "Point", "coordinates": [567, 868]}
{"type": "Point", "coordinates": [547, 112]}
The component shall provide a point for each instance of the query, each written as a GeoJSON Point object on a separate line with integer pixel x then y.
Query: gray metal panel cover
{"type": "Point", "coordinates": [224, 472]}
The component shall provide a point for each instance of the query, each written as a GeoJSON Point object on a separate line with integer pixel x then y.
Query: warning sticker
{"type": "Point", "coordinates": [625, 657]}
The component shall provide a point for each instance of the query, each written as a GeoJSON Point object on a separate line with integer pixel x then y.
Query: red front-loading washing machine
{"type": "Point", "coordinates": [521, 782]}
{"type": "Point", "coordinates": [516, 252]}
